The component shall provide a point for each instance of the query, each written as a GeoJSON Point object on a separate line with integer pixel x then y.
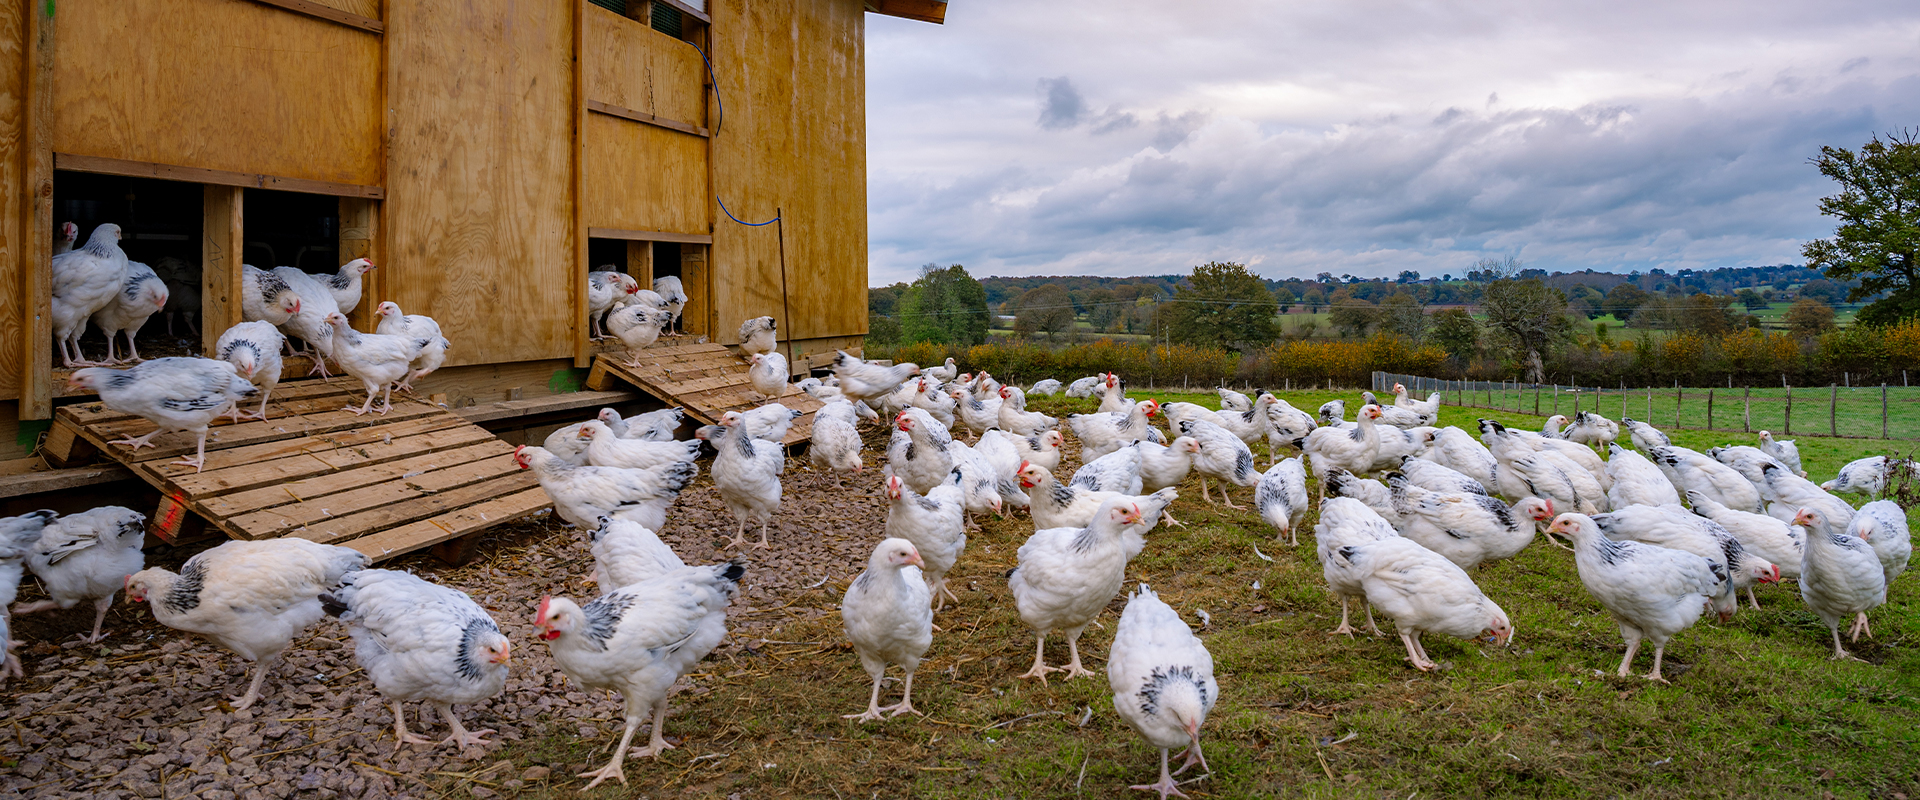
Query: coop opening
{"type": "Point", "coordinates": [160, 230]}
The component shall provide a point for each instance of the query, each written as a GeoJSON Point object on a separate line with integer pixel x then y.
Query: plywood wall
{"type": "Point", "coordinates": [218, 84]}
{"type": "Point", "coordinates": [791, 73]}
{"type": "Point", "coordinates": [630, 64]}
{"type": "Point", "coordinates": [12, 167]}
{"type": "Point", "coordinates": [642, 177]}
{"type": "Point", "coordinates": [479, 212]}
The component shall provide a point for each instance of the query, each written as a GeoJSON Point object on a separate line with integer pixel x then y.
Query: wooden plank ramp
{"type": "Point", "coordinates": [384, 485]}
{"type": "Point", "coordinates": [708, 380]}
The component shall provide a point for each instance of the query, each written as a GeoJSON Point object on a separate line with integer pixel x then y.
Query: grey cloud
{"type": "Point", "coordinates": [1061, 105]}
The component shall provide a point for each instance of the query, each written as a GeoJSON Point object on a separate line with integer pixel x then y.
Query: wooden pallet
{"type": "Point", "coordinates": [384, 485]}
{"type": "Point", "coordinates": [707, 380]}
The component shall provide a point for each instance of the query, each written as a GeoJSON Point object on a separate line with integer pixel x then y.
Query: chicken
{"type": "Point", "coordinates": [920, 450]}
{"type": "Point", "coordinates": [1223, 456]}
{"type": "Point", "coordinates": [1771, 539]}
{"type": "Point", "coordinates": [1287, 426]}
{"type": "Point", "coordinates": [638, 640]}
{"type": "Point", "coordinates": [1553, 425]}
{"type": "Point", "coordinates": [1882, 524]}
{"type": "Point", "coordinates": [944, 372]}
{"type": "Point", "coordinates": [1376, 495]}
{"type": "Point", "coordinates": [860, 380]}
{"type": "Point", "coordinates": [1526, 472]}
{"type": "Point", "coordinates": [18, 538]}
{"type": "Point", "coordinates": [1330, 448]}
{"type": "Point", "coordinates": [979, 482]}
{"type": "Point", "coordinates": [1399, 444]}
{"type": "Point", "coordinates": [771, 422]}
{"type": "Point", "coordinates": [889, 620]}
{"type": "Point", "coordinates": [605, 449]}
{"type": "Point", "coordinates": [1118, 471]}
{"type": "Point", "coordinates": [1432, 476]}
{"type": "Point", "coordinates": [309, 324]}
{"type": "Point", "coordinates": [605, 289]}
{"type": "Point", "coordinates": [87, 556]}
{"type": "Point", "coordinates": [625, 552]}
{"type": "Point", "coordinates": [1103, 433]}
{"type": "Point", "coordinates": [1424, 593]}
{"type": "Point", "coordinates": [653, 426]}
{"type": "Point", "coordinates": [637, 327]}
{"type": "Point", "coordinates": [1750, 462]}
{"type": "Point", "coordinates": [1785, 451]}
{"type": "Point", "coordinates": [251, 597]}
{"type": "Point", "coordinates": [936, 525]}
{"type": "Point", "coordinates": [1333, 414]}
{"type": "Point", "coordinates": [421, 641]}
{"type": "Point", "coordinates": [1644, 436]}
{"type": "Point", "coordinates": [64, 237]}
{"type": "Point", "coordinates": [836, 438]}
{"type": "Point", "coordinates": [1466, 529]}
{"type": "Point", "coordinates": [569, 444]}
{"type": "Point", "coordinates": [1164, 465]}
{"type": "Point", "coordinates": [1231, 400]}
{"type": "Point", "coordinates": [1428, 409]}
{"type": "Point", "coordinates": [85, 281]}
{"type": "Point", "coordinates": [1162, 681]}
{"type": "Point", "coordinates": [1014, 416]}
{"type": "Point", "coordinates": [1046, 387]}
{"type": "Point", "coordinates": [1636, 480]}
{"type": "Point", "coordinates": [747, 471]}
{"type": "Point", "coordinates": [1153, 508]}
{"type": "Point", "coordinates": [1673, 526]}
{"type": "Point", "coordinates": [1281, 498]}
{"type": "Point", "coordinates": [1589, 428]}
{"type": "Point", "coordinates": [1250, 425]}
{"type": "Point", "coordinates": [176, 394]}
{"type": "Point", "coordinates": [1692, 471]}
{"type": "Point", "coordinates": [582, 495]}
{"type": "Point", "coordinates": [1840, 577]}
{"type": "Point", "coordinates": [758, 335]}
{"type": "Point", "coordinates": [767, 374]}
{"type": "Point", "coordinates": [1058, 505]}
{"type": "Point", "coordinates": [253, 348]}
{"type": "Point", "coordinates": [1345, 521]}
{"type": "Point", "coordinates": [1402, 417]}
{"type": "Point", "coordinates": [1085, 387]}
{"type": "Point", "coordinates": [1652, 592]}
{"type": "Point", "coordinates": [418, 326]}
{"type": "Point", "coordinates": [1113, 396]}
{"type": "Point", "coordinates": [1067, 575]}
{"type": "Point", "coordinates": [1577, 453]}
{"type": "Point", "coordinates": [976, 414]}
{"type": "Point", "coordinates": [183, 292]}
{"type": "Point", "coordinates": [378, 360]}
{"type": "Point", "coordinates": [929, 395]}
{"type": "Point", "coordinates": [1043, 450]}
{"type": "Point", "coordinates": [1868, 476]}
{"type": "Point", "coordinates": [345, 284]}
{"type": "Point", "coordinates": [900, 399]}
{"type": "Point", "coordinates": [142, 296]}
{"type": "Point", "coordinates": [265, 297]}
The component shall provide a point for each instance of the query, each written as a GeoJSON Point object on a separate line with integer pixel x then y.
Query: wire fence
{"type": "Point", "coordinates": [1850, 412]}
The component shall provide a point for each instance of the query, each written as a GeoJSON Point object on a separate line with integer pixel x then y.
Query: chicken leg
{"type": "Point", "coordinates": [1860, 625]}
{"type": "Point", "coordinates": [401, 738]}
{"type": "Point", "coordinates": [1040, 668]}
{"type": "Point", "coordinates": [460, 737]}
{"type": "Point", "coordinates": [613, 768]}
{"type": "Point", "coordinates": [657, 741]}
{"type": "Point", "coordinates": [1193, 756]}
{"type": "Point", "coordinates": [143, 441]}
{"type": "Point", "coordinates": [1166, 787]}
{"type": "Point", "coordinates": [253, 690]}
{"type": "Point", "coordinates": [905, 706]}
{"type": "Point", "coordinates": [873, 702]}
{"type": "Point", "coordinates": [199, 460]}
{"type": "Point", "coordinates": [1626, 662]}
{"type": "Point", "coordinates": [1415, 654]}
{"type": "Point", "coordinates": [1073, 668]}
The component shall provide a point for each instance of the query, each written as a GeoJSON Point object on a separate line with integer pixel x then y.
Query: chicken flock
{"type": "Point", "coordinates": [1407, 512]}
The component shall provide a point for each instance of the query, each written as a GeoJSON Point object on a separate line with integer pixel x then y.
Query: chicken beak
{"type": "Point", "coordinates": [505, 656]}
{"type": "Point", "coordinates": [915, 560]}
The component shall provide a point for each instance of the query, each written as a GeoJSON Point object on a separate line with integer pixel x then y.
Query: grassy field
{"type": "Point", "coordinates": [1755, 708]}
{"type": "Point", "coordinates": [1847, 412]}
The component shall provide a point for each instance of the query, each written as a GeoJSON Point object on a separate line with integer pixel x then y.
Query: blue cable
{"type": "Point", "coordinates": [720, 115]}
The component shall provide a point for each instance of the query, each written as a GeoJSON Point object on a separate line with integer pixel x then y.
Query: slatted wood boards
{"type": "Point", "coordinates": [708, 380]}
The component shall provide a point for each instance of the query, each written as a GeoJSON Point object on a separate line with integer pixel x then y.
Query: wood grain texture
{"type": "Point", "coordinates": [222, 233]}
{"type": "Point", "coordinates": [479, 215]}
{"type": "Point", "coordinates": [15, 259]}
{"type": "Point", "coordinates": [365, 8]}
{"type": "Point", "coordinates": [329, 12]}
{"type": "Point", "coordinates": [360, 238]}
{"type": "Point", "coordinates": [68, 162]}
{"type": "Point", "coordinates": [36, 385]}
{"type": "Point", "coordinates": [219, 84]}
{"type": "Point", "coordinates": [645, 178]}
{"type": "Point", "coordinates": [631, 65]}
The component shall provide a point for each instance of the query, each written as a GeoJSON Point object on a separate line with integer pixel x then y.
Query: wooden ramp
{"type": "Point", "coordinates": [707, 380]}
{"type": "Point", "coordinates": [383, 485]}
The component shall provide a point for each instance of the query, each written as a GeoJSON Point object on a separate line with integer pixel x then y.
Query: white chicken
{"type": "Point", "coordinates": [675, 295]}
{"type": "Point", "coordinates": [1675, 527]}
{"type": "Point", "coordinates": [582, 495]}
{"type": "Point", "coordinates": [417, 326]}
{"type": "Point", "coordinates": [1457, 450]}
{"type": "Point", "coordinates": [345, 284]}
{"type": "Point", "coordinates": [378, 360]}
{"type": "Point", "coordinates": [1104, 433]}
{"type": "Point", "coordinates": [1786, 451]}
{"type": "Point", "coordinates": [860, 380]}
{"type": "Point", "coordinates": [253, 348]}
{"type": "Point", "coordinates": [1085, 387]}
{"type": "Point", "coordinates": [1003, 452]}
{"type": "Point", "coordinates": [606, 449]}
{"type": "Point", "coordinates": [1750, 462]}
{"type": "Point", "coordinates": [1376, 495]}
{"type": "Point", "coordinates": [1589, 428]}
{"type": "Point", "coordinates": [1161, 676]}
{"type": "Point", "coordinates": [177, 394]}
{"type": "Point", "coordinates": [1223, 457]}
{"type": "Point", "coordinates": [1424, 593]}
{"type": "Point", "coordinates": [143, 295]}
{"type": "Point", "coordinates": [747, 471]}
{"type": "Point", "coordinates": [1058, 505]}
{"type": "Point", "coordinates": [265, 297]}
{"type": "Point", "coordinates": [87, 556]}
{"type": "Point", "coordinates": [638, 327]}
{"type": "Point", "coordinates": [1636, 480]}
{"type": "Point", "coordinates": [1043, 449]}
{"type": "Point", "coordinates": [1045, 387]}
{"type": "Point", "coordinates": [418, 641]}
{"type": "Point", "coordinates": [767, 374]}
{"type": "Point", "coordinates": [1118, 471]}
{"type": "Point", "coordinates": [605, 289]}
{"type": "Point", "coordinates": [1428, 409]}
{"type": "Point", "coordinates": [979, 483]}
{"type": "Point", "coordinates": [1466, 529]}
{"type": "Point", "coordinates": [1015, 417]}
{"type": "Point", "coordinates": [936, 525]}
{"type": "Point", "coordinates": [920, 450]}
{"type": "Point", "coordinates": [1692, 471]}
{"type": "Point", "coordinates": [84, 281]}
{"type": "Point", "coordinates": [771, 422]}
{"type": "Point", "coordinates": [888, 618]}
{"type": "Point", "coordinates": [1883, 525]}
{"type": "Point", "coordinates": [1330, 448]}
{"type": "Point", "coordinates": [928, 394]}
{"type": "Point", "coordinates": [1652, 592]}
{"type": "Point", "coordinates": [626, 552]}
{"type": "Point", "coordinates": [1435, 477]}
{"type": "Point", "coordinates": [1868, 476]}
{"type": "Point", "coordinates": [1841, 577]}
{"type": "Point", "coordinates": [1644, 436]}
{"type": "Point", "coordinates": [568, 443]}
{"type": "Point", "coordinates": [976, 414]}
{"type": "Point", "coordinates": [1526, 472]}
{"type": "Point", "coordinates": [251, 597]}
{"type": "Point", "coordinates": [758, 335]}
{"type": "Point", "coordinates": [309, 324]}
{"type": "Point", "coordinates": [1287, 426]}
{"type": "Point", "coordinates": [836, 438]}
{"type": "Point", "coordinates": [64, 237]}
{"type": "Point", "coordinates": [653, 426]}
{"type": "Point", "coordinates": [945, 372]}
{"type": "Point", "coordinates": [1113, 395]}
{"type": "Point", "coordinates": [1281, 498]}
{"type": "Point", "coordinates": [1344, 522]}
{"type": "Point", "coordinates": [1778, 542]}
{"type": "Point", "coordinates": [638, 640]}
{"type": "Point", "coordinates": [1066, 576]}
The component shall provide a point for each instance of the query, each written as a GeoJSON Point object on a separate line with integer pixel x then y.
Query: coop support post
{"type": "Point", "coordinates": [36, 274]}
{"type": "Point", "coordinates": [222, 241]}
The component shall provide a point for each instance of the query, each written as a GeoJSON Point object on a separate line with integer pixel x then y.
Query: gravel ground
{"type": "Point", "coordinates": [145, 714]}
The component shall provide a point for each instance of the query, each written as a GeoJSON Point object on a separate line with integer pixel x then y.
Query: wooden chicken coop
{"type": "Point", "coordinates": [485, 154]}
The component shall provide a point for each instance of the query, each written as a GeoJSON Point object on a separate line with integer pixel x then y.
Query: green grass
{"type": "Point", "coordinates": [1755, 709]}
{"type": "Point", "coordinates": [1847, 412]}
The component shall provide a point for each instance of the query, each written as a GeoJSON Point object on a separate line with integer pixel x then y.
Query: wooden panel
{"type": "Point", "coordinates": [640, 262]}
{"type": "Point", "coordinates": [645, 178]}
{"type": "Point", "coordinates": [697, 318]}
{"type": "Point", "coordinates": [649, 236]}
{"type": "Point", "coordinates": [631, 65]}
{"type": "Point", "coordinates": [222, 232]}
{"type": "Point", "coordinates": [219, 85]}
{"type": "Point", "coordinates": [480, 207]}
{"type": "Point", "coordinates": [247, 180]}
{"type": "Point", "coordinates": [360, 238]}
{"type": "Point", "coordinates": [18, 261]}
{"type": "Point", "coordinates": [36, 234]}
{"type": "Point", "coordinates": [642, 117]}
{"type": "Point", "coordinates": [363, 8]}
{"type": "Point", "coordinates": [794, 138]}
{"type": "Point", "coordinates": [340, 12]}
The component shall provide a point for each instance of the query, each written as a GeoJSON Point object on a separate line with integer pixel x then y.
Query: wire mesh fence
{"type": "Point", "coordinates": [1854, 412]}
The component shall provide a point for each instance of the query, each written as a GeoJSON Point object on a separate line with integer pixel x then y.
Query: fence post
{"type": "Point", "coordinates": [1883, 409]}
{"type": "Point", "coordinates": [1709, 409]}
{"type": "Point", "coordinates": [1833, 411]}
{"type": "Point", "coordinates": [1623, 400]}
{"type": "Point", "coordinates": [1679, 394]}
{"type": "Point", "coordinates": [1536, 399]}
{"type": "Point", "coordinates": [1746, 408]}
{"type": "Point", "coordinates": [1649, 405]}
{"type": "Point", "coordinates": [1788, 421]}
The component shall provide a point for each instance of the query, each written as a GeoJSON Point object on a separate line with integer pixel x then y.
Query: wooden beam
{"type": "Point", "coordinates": [326, 13]}
{"type": "Point", "coordinates": [649, 236]}
{"type": "Point", "coordinates": [360, 238]}
{"type": "Point", "coordinates": [640, 262]}
{"type": "Point", "coordinates": [934, 11]}
{"type": "Point", "coordinates": [688, 10]}
{"type": "Point", "coordinates": [582, 344]}
{"type": "Point", "coordinates": [696, 277]}
{"type": "Point", "coordinates": [36, 274]}
{"type": "Point", "coordinates": [56, 480]}
{"type": "Point", "coordinates": [220, 177]}
{"type": "Point", "coordinates": [222, 241]}
{"type": "Point", "coordinates": [643, 117]}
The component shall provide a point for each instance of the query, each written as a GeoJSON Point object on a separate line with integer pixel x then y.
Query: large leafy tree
{"type": "Point", "coordinates": [944, 306]}
{"type": "Point", "coordinates": [1529, 316]}
{"type": "Point", "coordinates": [1455, 332]}
{"type": "Point", "coordinates": [1878, 239]}
{"type": "Point", "coordinates": [1222, 305]}
{"type": "Point", "coordinates": [1403, 315]}
{"type": "Point", "coordinates": [1045, 309]}
{"type": "Point", "coordinates": [1351, 315]}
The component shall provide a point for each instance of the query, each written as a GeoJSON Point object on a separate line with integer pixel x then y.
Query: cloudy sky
{"type": "Point", "coordinates": [1116, 137]}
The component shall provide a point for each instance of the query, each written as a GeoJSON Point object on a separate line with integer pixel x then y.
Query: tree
{"type": "Point", "coordinates": [1407, 276]}
{"type": "Point", "coordinates": [1222, 305]}
{"type": "Point", "coordinates": [1878, 239]}
{"type": "Point", "coordinates": [1753, 300]}
{"type": "Point", "coordinates": [1530, 317]}
{"type": "Point", "coordinates": [1809, 318]}
{"type": "Point", "coordinates": [1103, 310]}
{"type": "Point", "coordinates": [945, 306]}
{"type": "Point", "coordinates": [1351, 315]}
{"type": "Point", "coordinates": [1283, 296]}
{"type": "Point", "coordinates": [1405, 316]}
{"type": "Point", "coordinates": [1314, 299]}
{"type": "Point", "coordinates": [1455, 332]}
{"type": "Point", "coordinates": [1046, 309]}
{"type": "Point", "coordinates": [1624, 301]}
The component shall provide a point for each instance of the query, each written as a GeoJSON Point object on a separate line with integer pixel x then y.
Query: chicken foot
{"type": "Point", "coordinates": [1225, 499]}
{"type": "Point", "coordinates": [613, 768]}
{"type": "Point", "coordinates": [253, 690]}
{"type": "Point", "coordinates": [386, 402]}
{"type": "Point", "coordinates": [1040, 668]}
{"type": "Point", "coordinates": [873, 704]}
{"type": "Point", "coordinates": [1166, 787]}
{"type": "Point", "coordinates": [1193, 756]}
{"type": "Point", "coordinates": [199, 460]}
{"type": "Point", "coordinates": [461, 737]}
{"type": "Point", "coordinates": [1073, 668]}
{"type": "Point", "coordinates": [1860, 626]}
{"type": "Point", "coordinates": [401, 737]}
{"type": "Point", "coordinates": [1415, 653]}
